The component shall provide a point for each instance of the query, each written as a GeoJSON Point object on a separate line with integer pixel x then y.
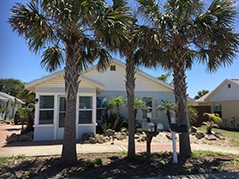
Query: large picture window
{"type": "Point", "coordinates": [101, 108]}
{"type": "Point", "coordinates": [148, 101]}
{"type": "Point", "coordinates": [46, 110]}
{"type": "Point", "coordinates": [85, 109]}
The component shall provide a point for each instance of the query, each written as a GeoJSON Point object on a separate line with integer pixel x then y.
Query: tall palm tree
{"type": "Point", "coordinates": [190, 32]}
{"type": "Point", "coordinates": [139, 104]}
{"type": "Point", "coordinates": [201, 93]}
{"type": "Point", "coordinates": [168, 108]}
{"type": "Point", "coordinates": [73, 33]}
{"type": "Point", "coordinates": [139, 41]}
{"type": "Point", "coordinates": [165, 77]}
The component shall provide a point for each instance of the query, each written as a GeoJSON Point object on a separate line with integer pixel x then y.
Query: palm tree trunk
{"type": "Point", "coordinates": [130, 87]}
{"type": "Point", "coordinates": [72, 74]}
{"type": "Point", "coordinates": [117, 117]}
{"type": "Point", "coordinates": [181, 97]}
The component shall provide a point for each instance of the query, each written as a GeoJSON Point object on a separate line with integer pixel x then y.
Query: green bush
{"type": "Point", "coordinates": [98, 161]}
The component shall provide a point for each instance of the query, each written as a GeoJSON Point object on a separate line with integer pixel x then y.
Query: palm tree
{"type": "Point", "coordinates": [192, 113]}
{"type": "Point", "coordinates": [191, 32]}
{"type": "Point", "coordinates": [139, 104]}
{"type": "Point", "coordinates": [72, 33]}
{"type": "Point", "coordinates": [165, 77]}
{"type": "Point", "coordinates": [168, 108]}
{"type": "Point", "coordinates": [201, 93]}
{"type": "Point", "coordinates": [115, 103]}
{"type": "Point", "coordinates": [213, 118]}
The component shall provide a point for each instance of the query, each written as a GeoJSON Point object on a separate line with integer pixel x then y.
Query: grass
{"type": "Point", "coordinates": [5, 159]}
{"type": "Point", "coordinates": [206, 153]}
{"type": "Point", "coordinates": [123, 152]}
{"type": "Point", "coordinates": [234, 135]}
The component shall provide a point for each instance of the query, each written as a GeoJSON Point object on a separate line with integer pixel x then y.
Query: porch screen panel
{"type": "Point", "coordinates": [46, 110]}
{"type": "Point", "coordinates": [85, 109]}
{"type": "Point", "coordinates": [101, 114]}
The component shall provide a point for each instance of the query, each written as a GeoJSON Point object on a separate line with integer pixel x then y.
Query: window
{"type": "Point", "coordinates": [217, 109]}
{"type": "Point", "coordinates": [112, 68]}
{"type": "Point", "coordinates": [101, 109]}
{"type": "Point", "coordinates": [62, 112]}
{"type": "Point", "coordinates": [46, 110]}
{"type": "Point", "coordinates": [85, 109]}
{"type": "Point", "coordinates": [229, 85]}
{"type": "Point", "coordinates": [148, 101]}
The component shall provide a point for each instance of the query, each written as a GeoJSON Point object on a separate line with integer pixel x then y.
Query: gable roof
{"type": "Point", "coordinates": [5, 97]}
{"type": "Point", "coordinates": [207, 96]}
{"type": "Point", "coordinates": [30, 86]}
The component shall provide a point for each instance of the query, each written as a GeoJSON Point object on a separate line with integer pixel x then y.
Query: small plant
{"type": "Point", "coordinates": [88, 163]}
{"type": "Point", "coordinates": [122, 152]}
{"type": "Point", "coordinates": [98, 161]}
{"type": "Point", "coordinates": [211, 123]}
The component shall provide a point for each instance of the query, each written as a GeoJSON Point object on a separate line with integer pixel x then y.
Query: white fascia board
{"type": "Point", "coordinates": [43, 79]}
{"type": "Point", "coordinates": [214, 91]}
{"type": "Point", "coordinates": [93, 82]}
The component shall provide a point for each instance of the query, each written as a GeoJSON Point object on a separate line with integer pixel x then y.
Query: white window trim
{"type": "Point", "coordinates": [46, 109]}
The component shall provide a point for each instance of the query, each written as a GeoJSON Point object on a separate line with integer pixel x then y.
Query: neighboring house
{"type": "Point", "coordinates": [12, 107]}
{"type": "Point", "coordinates": [224, 100]}
{"type": "Point", "coordinates": [94, 89]}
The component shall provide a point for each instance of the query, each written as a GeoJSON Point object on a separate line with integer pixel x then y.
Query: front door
{"type": "Point", "coordinates": [61, 117]}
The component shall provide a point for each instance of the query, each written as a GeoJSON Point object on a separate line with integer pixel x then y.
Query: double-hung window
{"type": "Point", "coordinates": [85, 109]}
{"type": "Point", "coordinates": [217, 109]}
{"type": "Point", "coordinates": [149, 104]}
{"type": "Point", "coordinates": [101, 108]}
{"type": "Point", "coordinates": [46, 110]}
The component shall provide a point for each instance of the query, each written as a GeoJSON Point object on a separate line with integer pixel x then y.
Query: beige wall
{"type": "Point", "coordinates": [230, 114]}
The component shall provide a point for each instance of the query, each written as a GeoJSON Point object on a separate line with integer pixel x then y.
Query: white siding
{"type": "Point", "coordinates": [59, 82]}
{"type": "Point", "coordinates": [226, 94]}
{"type": "Point", "coordinates": [115, 80]}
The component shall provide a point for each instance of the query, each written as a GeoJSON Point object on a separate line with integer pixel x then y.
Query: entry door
{"type": "Point", "coordinates": [61, 117]}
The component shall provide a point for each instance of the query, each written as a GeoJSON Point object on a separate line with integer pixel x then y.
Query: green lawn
{"type": "Point", "coordinates": [234, 135]}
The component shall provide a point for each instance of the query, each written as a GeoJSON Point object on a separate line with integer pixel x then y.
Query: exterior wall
{"type": "Point", "coordinates": [115, 80]}
{"type": "Point", "coordinates": [230, 114]}
{"type": "Point", "coordinates": [44, 132]}
{"type": "Point", "coordinates": [85, 129]}
{"type": "Point", "coordinates": [225, 94]}
{"type": "Point", "coordinates": [160, 117]}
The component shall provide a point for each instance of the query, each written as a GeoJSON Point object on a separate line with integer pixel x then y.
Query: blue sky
{"type": "Point", "coordinates": [17, 62]}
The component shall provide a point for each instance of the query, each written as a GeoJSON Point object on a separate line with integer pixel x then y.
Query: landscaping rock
{"type": "Point", "coordinates": [12, 138]}
{"type": "Point", "coordinates": [219, 136]}
{"type": "Point", "coordinates": [199, 134]}
{"type": "Point", "coordinates": [120, 135]}
{"type": "Point", "coordinates": [193, 129]}
{"type": "Point", "coordinates": [100, 139]}
{"type": "Point", "coordinates": [25, 137]}
{"type": "Point", "coordinates": [107, 139]}
{"type": "Point", "coordinates": [210, 137]}
{"type": "Point", "coordinates": [85, 136]}
{"type": "Point", "coordinates": [109, 132]}
{"type": "Point", "coordinates": [123, 129]}
{"type": "Point", "coordinates": [92, 140]}
{"type": "Point", "coordinates": [138, 131]}
{"type": "Point", "coordinates": [136, 136]}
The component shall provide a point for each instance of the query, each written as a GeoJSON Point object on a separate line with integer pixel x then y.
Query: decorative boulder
{"type": "Point", "coordinates": [219, 135]}
{"type": "Point", "coordinates": [136, 136]}
{"type": "Point", "coordinates": [199, 134]}
{"type": "Point", "coordinates": [123, 129]}
{"type": "Point", "coordinates": [210, 137]}
{"type": "Point", "coordinates": [138, 131]}
{"type": "Point", "coordinates": [109, 132]}
{"type": "Point", "coordinates": [100, 139]}
{"type": "Point", "coordinates": [12, 138]}
{"type": "Point", "coordinates": [120, 135]}
{"type": "Point", "coordinates": [25, 137]}
{"type": "Point", "coordinates": [193, 129]}
{"type": "Point", "coordinates": [92, 140]}
{"type": "Point", "coordinates": [85, 136]}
